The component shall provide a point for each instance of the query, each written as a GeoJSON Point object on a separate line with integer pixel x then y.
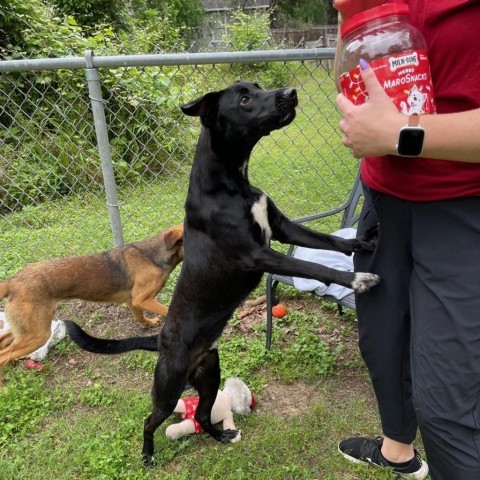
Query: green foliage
{"type": "Point", "coordinates": [144, 360]}
{"type": "Point", "coordinates": [309, 353]}
{"type": "Point", "coordinates": [13, 18]}
{"type": "Point", "coordinates": [144, 121]}
{"type": "Point", "coordinates": [22, 414]}
{"type": "Point", "coordinates": [297, 343]}
{"type": "Point", "coordinates": [96, 15]}
{"type": "Point", "coordinates": [40, 167]}
{"type": "Point", "coordinates": [109, 461]}
{"type": "Point", "coordinates": [241, 357]}
{"type": "Point", "coordinates": [248, 31]}
{"type": "Point", "coordinates": [251, 31]}
{"type": "Point", "coordinates": [302, 347]}
{"type": "Point", "coordinates": [34, 29]}
{"type": "Point", "coordinates": [186, 15]}
{"type": "Point", "coordinates": [305, 12]}
{"type": "Point", "coordinates": [54, 122]}
{"type": "Point", "coordinates": [94, 12]}
{"type": "Point", "coordinates": [97, 395]}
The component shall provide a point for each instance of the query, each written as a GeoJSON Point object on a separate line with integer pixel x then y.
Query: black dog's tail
{"type": "Point", "coordinates": [109, 347]}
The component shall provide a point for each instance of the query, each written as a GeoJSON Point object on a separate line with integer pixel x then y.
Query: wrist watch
{"type": "Point", "coordinates": [410, 138]}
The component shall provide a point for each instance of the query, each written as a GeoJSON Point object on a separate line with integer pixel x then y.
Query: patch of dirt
{"type": "Point", "coordinates": [103, 319]}
{"type": "Point", "coordinates": [286, 400]}
{"type": "Point", "coordinates": [80, 368]}
{"type": "Point", "coordinates": [249, 315]}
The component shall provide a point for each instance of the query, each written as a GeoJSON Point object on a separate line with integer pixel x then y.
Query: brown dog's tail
{"type": "Point", "coordinates": [109, 347]}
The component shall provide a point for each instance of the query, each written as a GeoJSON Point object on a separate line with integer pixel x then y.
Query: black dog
{"type": "Point", "coordinates": [227, 231]}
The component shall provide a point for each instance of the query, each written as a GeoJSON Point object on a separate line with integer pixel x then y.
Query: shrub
{"type": "Point", "coordinates": [48, 145]}
{"type": "Point", "coordinates": [21, 415]}
{"type": "Point", "coordinates": [251, 31]}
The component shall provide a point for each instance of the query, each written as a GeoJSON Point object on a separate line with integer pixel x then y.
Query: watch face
{"type": "Point", "coordinates": [410, 141]}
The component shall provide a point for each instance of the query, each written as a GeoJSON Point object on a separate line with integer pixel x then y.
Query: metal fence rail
{"type": "Point", "coordinates": [80, 133]}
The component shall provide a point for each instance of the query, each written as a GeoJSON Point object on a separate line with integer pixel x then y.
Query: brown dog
{"type": "Point", "coordinates": [132, 274]}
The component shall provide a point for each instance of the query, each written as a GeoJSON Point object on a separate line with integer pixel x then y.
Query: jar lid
{"type": "Point", "coordinates": [372, 14]}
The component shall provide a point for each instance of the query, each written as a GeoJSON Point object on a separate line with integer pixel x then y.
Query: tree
{"type": "Point", "coordinates": [14, 17]}
{"type": "Point", "coordinates": [304, 12]}
{"type": "Point", "coordinates": [91, 13]}
{"type": "Point", "coordinates": [186, 14]}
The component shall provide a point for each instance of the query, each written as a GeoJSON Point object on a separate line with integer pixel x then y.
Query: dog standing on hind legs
{"type": "Point", "coordinates": [228, 228]}
{"type": "Point", "coordinates": [132, 274]}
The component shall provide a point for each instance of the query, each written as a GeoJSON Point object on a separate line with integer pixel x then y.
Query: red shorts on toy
{"type": "Point", "coordinates": [191, 404]}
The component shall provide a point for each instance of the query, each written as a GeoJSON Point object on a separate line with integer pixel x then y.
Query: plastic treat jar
{"type": "Point", "coordinates": [397, 53]}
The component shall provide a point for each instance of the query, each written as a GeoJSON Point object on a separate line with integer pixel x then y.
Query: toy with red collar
{"type": "Point", "coordinates": [235, 397]}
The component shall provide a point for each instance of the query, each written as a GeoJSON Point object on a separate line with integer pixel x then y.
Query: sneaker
{"type": "Point", "coordinates": [368, 452]}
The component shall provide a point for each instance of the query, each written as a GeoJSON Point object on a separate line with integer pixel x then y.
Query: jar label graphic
{"type": "Point", "coordinates": [405, 77]}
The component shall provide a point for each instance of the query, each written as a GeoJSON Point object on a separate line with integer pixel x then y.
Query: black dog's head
{"type": "Point", "coordinates": [244, 111]}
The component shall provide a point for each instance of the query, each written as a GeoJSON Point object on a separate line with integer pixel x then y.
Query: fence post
{"type": "Point", "coordinates": [98, 109]}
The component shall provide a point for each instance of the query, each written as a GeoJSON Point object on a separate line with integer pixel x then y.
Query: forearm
{"type": "Point", "coordinates": [454, 136]}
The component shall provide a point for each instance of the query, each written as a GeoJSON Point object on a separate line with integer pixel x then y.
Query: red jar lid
{"type": "Point", "coordinates": [372, 14]}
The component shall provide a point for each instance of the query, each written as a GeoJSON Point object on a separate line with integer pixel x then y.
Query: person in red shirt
{"type": "Point", "coordinates": [419, 329]}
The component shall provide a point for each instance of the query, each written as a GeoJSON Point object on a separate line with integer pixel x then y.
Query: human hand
{"type": "Point", "coordinates": [370, 129]}
{"type": "Point", "coordinates": [348, 8]}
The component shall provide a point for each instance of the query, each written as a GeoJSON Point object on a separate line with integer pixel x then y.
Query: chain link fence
{"type": "Point", "coordinates": [94, 151]}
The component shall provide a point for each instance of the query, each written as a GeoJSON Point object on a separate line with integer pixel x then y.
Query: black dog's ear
{"type": "Point", "coordinates": [202, 106]}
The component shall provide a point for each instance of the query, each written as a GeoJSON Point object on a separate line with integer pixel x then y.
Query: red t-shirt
{"type": "Point", "coordinates": [450, 28]}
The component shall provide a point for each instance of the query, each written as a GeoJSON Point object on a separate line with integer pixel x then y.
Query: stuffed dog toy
{"type": "Point", "coordinates": [235, 397]}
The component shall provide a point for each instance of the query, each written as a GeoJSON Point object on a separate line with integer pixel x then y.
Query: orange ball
{"type": "Point", "coordinates": [279, 311]}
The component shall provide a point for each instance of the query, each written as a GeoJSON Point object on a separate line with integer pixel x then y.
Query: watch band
{"type": "Point", "coordinates": [414, 120]}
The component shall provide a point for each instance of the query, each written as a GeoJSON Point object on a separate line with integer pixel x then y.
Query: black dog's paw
{"type": "Point", "coordinates": [231, 436]}
{"type": "Point", "coordinates": [148, 461]}
{"type": "Point", "coordinates": [354, 245]}
{"type": "Point", "coordinates": [371, 234]}
{"type": "Point", "coordinates": [364, 281]}
{"type": "Point", "coordinates": [369, 240]}
{"type": "Point", "coordinates": [368, 245]}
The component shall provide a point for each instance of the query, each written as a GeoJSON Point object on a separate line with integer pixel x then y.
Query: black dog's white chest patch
{"type": "Point", "coordinates": [260, 215]}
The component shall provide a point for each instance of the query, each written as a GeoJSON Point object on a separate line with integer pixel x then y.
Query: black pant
{"type": "Point", "coordinates": [419, 329]}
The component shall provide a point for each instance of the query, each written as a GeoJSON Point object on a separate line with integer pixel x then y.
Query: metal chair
{"type": "Point", "coordinates": [349, 219]}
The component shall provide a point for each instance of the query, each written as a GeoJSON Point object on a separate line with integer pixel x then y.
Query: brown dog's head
{"type": "Point", "coordinates": [173, 238]}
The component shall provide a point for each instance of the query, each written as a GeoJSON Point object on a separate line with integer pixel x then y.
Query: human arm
{"type": "Point", "coordinates": [372, 129]}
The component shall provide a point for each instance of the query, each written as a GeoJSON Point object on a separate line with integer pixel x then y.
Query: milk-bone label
{"type": "Point", "coordinates": [405, 77]}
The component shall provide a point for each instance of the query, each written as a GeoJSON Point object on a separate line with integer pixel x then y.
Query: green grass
{"type": "Point", "coordinates": [81, 417]}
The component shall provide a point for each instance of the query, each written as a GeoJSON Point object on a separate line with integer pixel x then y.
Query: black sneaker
{"type": "Point", "coordinates": [368, 451]}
